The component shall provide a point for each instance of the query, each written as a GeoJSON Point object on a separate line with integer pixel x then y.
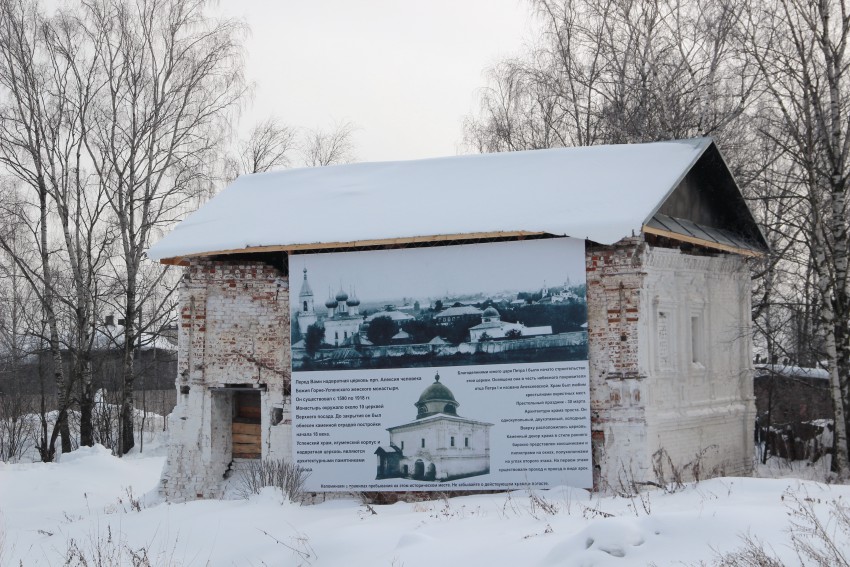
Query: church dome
{"type": "Point", "coordinates": [331, 303]}
{"type": "Point", "coordinates": [436, 398]}
{"type": "Point", "coordinates": [353, 302]}
{"type": "Point", "coordinates": [490, 312]}
{"type": "Point", "coordinates": [341, 296]}
{"type": "Point", "coordinates": [437, 392]}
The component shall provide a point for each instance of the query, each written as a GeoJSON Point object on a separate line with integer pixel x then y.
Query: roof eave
{"type": "Point", "coordinates": [184, 259]}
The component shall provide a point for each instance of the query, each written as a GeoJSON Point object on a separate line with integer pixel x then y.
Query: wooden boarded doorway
{"type": "Point", "coordinates": [246, 425]}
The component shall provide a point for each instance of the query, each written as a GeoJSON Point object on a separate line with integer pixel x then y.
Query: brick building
{"type": "Point", "coordinates": [668, 293]}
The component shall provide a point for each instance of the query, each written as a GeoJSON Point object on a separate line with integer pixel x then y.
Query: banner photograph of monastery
{"type": "Point", "coordinates": [451, 367]}
{"type": "Point", "coordinates": [472, 304]}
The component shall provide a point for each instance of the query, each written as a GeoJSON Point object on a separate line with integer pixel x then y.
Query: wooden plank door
{"type": "Point", "coordinates": [246, 426]}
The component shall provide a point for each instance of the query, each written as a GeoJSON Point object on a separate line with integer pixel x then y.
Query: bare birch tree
{"type": "Point", "coordinates": [50, 92]}
{"type": "Point", "coordinates": [16, 341]}
{"type": "Point", "coordinates": [29, 122]}
{"type": "Point", "coordinates": [801, 51]}
{"type": "Point", "coordinates": [612, 71]}
{"type": "Point", "coordinates": [171, 76]}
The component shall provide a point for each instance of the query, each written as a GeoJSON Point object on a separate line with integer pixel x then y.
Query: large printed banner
{"type": "Point", "coordinates": [442, 368]}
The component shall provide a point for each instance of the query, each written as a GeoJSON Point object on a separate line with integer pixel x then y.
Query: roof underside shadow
{"type": "Point", "coordinates": [706, 208]}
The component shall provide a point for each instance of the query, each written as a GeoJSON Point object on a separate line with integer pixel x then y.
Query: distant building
{"type": "Point", "coordinates": [493, 327]}
{"type": "Point", "coordinates": [398, 317]}
{"type": "Point", "coordinates": [343, 320]}
{"type": "Point", "coordinates": [454, 315]}
{"type": "Point", "coordinates": [563, 295]}
{"type": "Point", "coordinates": [793, 407]}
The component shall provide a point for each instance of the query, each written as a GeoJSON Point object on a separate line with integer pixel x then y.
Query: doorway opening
{"type": "Point", "coordinates": [246, 425]}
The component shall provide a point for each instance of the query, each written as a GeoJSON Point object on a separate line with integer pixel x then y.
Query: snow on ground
{"type": "Point", "coordinates": [90, 497]}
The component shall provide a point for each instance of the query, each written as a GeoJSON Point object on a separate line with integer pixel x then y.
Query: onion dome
{"type": "Point", "coordinates": [341, 296]}
{"type": "Point", "coordinates": [353, 301]}
{"type": "Point", "coordinates": [436, 398]}
{"type": "Point", "coordinates": [330, 303]}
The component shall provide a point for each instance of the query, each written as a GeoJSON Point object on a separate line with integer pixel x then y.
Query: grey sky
{"type": "Point", "coordinates": [405, 73]}
{"type": "Point", "coordinates": [420, 273]}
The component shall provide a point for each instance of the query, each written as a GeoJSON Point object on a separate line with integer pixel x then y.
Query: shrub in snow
{"type": "Point", "coordinates": [821, 540]}
{"type": "Point", "coordinates": [289, 477]}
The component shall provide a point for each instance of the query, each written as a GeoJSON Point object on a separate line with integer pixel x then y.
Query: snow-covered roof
{"type": "Point", "coordinates": [394, 315]}
{"type": "Point", "coordinates": [791, 371]}
{"type": "Point", "coordinates": [602, 193]}
{"type": "Point", "coordinates": [488, 325]}
{"type": "Point", "coordinates": [110, 336]}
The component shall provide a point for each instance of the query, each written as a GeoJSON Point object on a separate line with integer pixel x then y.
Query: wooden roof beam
{"type": "Point", "coordinates": [184, 260]}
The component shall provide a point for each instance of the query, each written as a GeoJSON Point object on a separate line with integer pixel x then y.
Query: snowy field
{"type": "Point", "coordinates": [97, 509]}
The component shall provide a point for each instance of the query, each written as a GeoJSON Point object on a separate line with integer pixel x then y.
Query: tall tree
{"type": "Point", "coordinates": [614, 71]}
{"type": "Point", "coordinates": [172, 76]}
{"type": "Point", "coordinates": [51, 81]}
{"type": "Point", "coordinates": [800, 47]}
{"type": "Point", "coordinates": [31, 134]}
{"type": "Point", "coordinates": [16, 342]}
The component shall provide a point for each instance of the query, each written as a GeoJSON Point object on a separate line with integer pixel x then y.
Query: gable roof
{"type": "Point", "coordinates": [599, 193]}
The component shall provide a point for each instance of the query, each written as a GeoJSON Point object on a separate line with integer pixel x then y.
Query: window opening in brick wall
{"type": "Point", "coordinates": [663, 334]}
{"type": "Point", "coordinates": [696, 340]}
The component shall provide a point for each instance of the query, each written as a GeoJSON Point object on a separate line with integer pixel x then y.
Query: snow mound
{"type": "Point", "coordinates": [599, 542]}
{"type": "Point", "coordinates": [97, 451]}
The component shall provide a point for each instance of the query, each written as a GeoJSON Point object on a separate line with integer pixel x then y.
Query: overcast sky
{"type": "Point", "coordinates": [405, 73]}
{"type": "Point", "coordinates": [440, 271]}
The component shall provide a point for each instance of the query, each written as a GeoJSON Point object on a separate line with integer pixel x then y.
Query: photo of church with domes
{"type": "Point", "coordinates": [439, 445]}
{"type": "Point", "coordinates": [488, 303]}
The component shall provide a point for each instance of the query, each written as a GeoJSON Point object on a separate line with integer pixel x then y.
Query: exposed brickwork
{"type": "Point", "coordinates": [615, 278]}
{"type": "Point", "coordinates": [234, 323]}
{"type": "Point", "coordinates": [614, 281]}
